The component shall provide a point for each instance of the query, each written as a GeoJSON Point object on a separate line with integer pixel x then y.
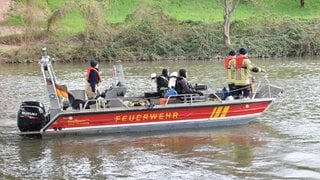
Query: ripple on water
{"type": "Point", "coordinates": [303, 159]}
{"type": "Point", "coordinates": [300, 165]}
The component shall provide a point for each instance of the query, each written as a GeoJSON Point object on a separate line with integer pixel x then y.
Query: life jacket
{"type": "Point", "coordinates": [239, 61]}
{"type": "Point", "coordinates": [227, 60]}
{"type": "Point", "coordinates": [88, 73]}
{"type": "Point", "coordinates": [242, 72]}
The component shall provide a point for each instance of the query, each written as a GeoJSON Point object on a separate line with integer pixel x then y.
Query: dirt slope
{"type": "Point", "coordinates": [5, 6]}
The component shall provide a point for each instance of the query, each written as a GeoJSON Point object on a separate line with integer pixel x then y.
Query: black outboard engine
{"type": "Point", "coordinates": [31, 116]}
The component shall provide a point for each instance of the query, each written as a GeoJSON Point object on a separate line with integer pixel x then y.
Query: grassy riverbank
{"type": "Point", "coordinates": [153, 30]}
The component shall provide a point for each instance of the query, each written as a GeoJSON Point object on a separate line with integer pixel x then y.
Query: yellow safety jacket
{"type": "Point", "coordinates": [243, 68]}
{"type": "Point", "coordinates": [230, 68]}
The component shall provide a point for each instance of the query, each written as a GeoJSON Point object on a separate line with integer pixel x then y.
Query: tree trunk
{"type": "Point", "coordinates": [226, 24]}
{"type": "Point", "coordinates": [229, 7]}
{"type": "Point", "coordinates": [226, 29]}
{"type": "Point", "coordinates": [302, 3]}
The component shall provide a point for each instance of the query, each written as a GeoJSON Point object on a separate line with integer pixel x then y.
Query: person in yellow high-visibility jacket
{"type": "Point", "coordinates": [229, 66]}
{"type": "Point", "coordinates": [242, 74]}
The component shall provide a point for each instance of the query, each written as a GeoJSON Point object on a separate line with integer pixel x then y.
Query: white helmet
{"type": "Point", "coordinates": [174, 74]}
{"type": "Point", "coordinates": [153, 75]}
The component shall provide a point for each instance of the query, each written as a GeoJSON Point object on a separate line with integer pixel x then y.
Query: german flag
{"type": "Point", "coordinates": [62, 91]}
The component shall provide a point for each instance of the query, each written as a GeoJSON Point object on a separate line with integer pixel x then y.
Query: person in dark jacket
{"type": "Point", "coordinates": [163, 81]}
{"type": "Point", "coordinates": [182, 85]}
{"type": "Point", "coordinates": [93, 78]}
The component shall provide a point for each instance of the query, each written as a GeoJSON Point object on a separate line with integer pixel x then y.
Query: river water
{"type": "Point", "coordinates": [283, 143]}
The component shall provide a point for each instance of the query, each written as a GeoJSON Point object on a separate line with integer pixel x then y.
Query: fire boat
{"type": "Point", "coordinates": [70, 112]}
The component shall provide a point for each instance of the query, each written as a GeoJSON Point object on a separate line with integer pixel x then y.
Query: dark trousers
{"type": "Point", "coordinates": [232, 89]}
{"type": "Point", "coordinates": [243, 91]}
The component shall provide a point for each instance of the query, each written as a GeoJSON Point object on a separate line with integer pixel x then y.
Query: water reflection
{"type": "Point", "coordinates": [117, 156]}
{"type": "Point", "coordinates": [30, 150]}
{"type": "Point", "coordinates": [112, 154]}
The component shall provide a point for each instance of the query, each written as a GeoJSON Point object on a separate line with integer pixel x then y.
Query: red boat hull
{"type": "Point", "coordinates": [158, 118]}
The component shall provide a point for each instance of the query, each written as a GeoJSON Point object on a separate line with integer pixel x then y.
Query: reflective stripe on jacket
{"type": "Point", "coordinates": [229, 66]}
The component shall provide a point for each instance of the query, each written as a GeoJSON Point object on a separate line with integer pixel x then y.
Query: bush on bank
{"type": "Point", "coordinates": [147, 40]}
{"type": "Point", "coordinates": [160, 37]}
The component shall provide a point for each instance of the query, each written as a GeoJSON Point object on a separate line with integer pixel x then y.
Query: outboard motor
{"type": "Point", "coordinates": [31, 116]}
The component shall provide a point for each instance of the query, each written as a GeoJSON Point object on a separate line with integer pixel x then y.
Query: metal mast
{"type": "Point", "coordinates": [50, 83]}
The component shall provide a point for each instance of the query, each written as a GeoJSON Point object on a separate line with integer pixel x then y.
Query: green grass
{"type": "Point", "coordinates": [202, 10]}
{"type": "Point", "coordinates": [16, 20]}
{"type": "Point", "coordinates": [74, 23]}
{"type": "Point", "coordinates": [292, 8]}
{"type": "Point", "coordinates": [55, 4]}
{"type": "Point", "coordinates": [119, 9]}
{"type": "Point", "coordinates": [206, 11]}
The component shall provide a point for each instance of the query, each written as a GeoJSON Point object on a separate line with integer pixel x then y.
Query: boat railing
{"type": "Point", "coordinates": [215, 96]}
{"type": "Point", "coordinates": [183, 98]}
{"type": "Point", "coordinates": [98, 103]}
{"type": "Point", "coordinates": [262, 90]}
{"type": "Point", "coordinates": [264, 79]}
{"type": "Point", "coordinates": [266, 90]}
{"type": "Point", "coordinates": [102, 103]}
{"type": "Point", "coordinates": [107, 103]}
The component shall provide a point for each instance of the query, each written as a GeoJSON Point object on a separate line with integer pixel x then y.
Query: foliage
{"type": "Point", "coordinates": [287, 37]}
{"type": "Point", "coordinates": [147, 40]}
{"type": "Point", "coordinates": [151, 30]}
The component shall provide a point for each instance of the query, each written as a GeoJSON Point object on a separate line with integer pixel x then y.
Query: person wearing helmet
{"type": "Point", "coordinates": [229, 66]}
{"type": "Point", "coordinates": [243, 68]}
{"type": "Point", "coordinates": [182, 85]}
{"type": "Point", "coordinates": [93, 78]}
{"type": "Point", "coordinates": [163, 81]}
